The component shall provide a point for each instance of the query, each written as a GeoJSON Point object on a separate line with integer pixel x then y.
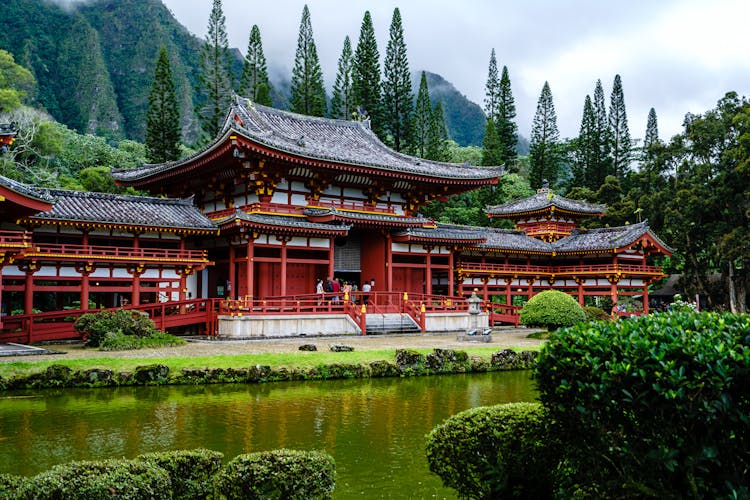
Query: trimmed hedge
{"type": "Point", "coordinates": [277, 474]}
{"type": "Point", "coordinates": [552, 309]}
{"type": "Point", "coordinates": [595, 314]}
{"type": "Point", "coordinates": [654, 406]}
{"type": "Point", "coordinates": [94, 327]}
{"type": "Point", "coordinates": [190, 471]}
{"type": "Point", "coordinates": [10, 486]}
{"type": "Point", "coordinates": [494, 452]}
{"type": "Point", "coordinates": [103, 479]}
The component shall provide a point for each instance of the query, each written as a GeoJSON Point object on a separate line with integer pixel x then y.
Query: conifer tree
{"type": "Point", "coordinates": [342, 100]}
{"type": "Point", "coordinates": [366, 75]}
{"type": "Point", "coordinates": [491, 146]}
{"type": "Point", "coordinates": [422, 118]}
{"type": "Point", "coordinates": [507, 130]}
{"type": "Point", "coordinates": [215, 80]}
{"type": "Point", "coordinates": [255, 71]}
{"type": "Point", "coordinates": [437, 135]}
{"type": "Point", "coordinates": [308, 96]}
{"type": "Point", "coordinates": [585, 147]}
{"type": "Point", "coordinates": [600, 165]}
{"type": "Point", "coordinates": [492, 90]}
{"type": "Point", "coordinates": [397, 94]}
{"type": "Point", "coordinates": [652, 130]}
{"type": "Point", "coordinates": [163, 115]}
{"type": "Point", "coordinates": [544, 148]}
{"type": "Point", "coordinates": [621, 147]}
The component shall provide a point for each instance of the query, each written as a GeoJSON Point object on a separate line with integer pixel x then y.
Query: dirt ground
{"type": "Point", "coordinates": [501, 338]}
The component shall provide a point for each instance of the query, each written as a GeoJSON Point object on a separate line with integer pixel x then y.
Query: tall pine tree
{"type": "Point", "coordinates": [342, 100]}
{"type": "Point", "coordinates": [308, 96]}
{"type": "Point", "coordinates": [652, 130]}
{"type": "Point", "coordinates": [491, 145]}
{"type": "Point", "coordinates": [366, 75]}
{"type": "Point", "coordinates": [585, 147]}
{"type": "Point", "coordinates": [397, 97]}
{"type": "Point", "coordinates": [214, 78]}
{"type": "Point", "coordinates": [507, 130]}
{"type": "Point", "coordinates": [492, 90]}
{"type": "Point", "coordinates": [621, 147]}
{"type": "Point", "coordinates": [163, 115]}
{"type": "Point", "coordinates": [254, 71]}
{"type": "Point", "coordinates": [422, 119]}
{"type": "Point", "coordinates": [601, 162]}
{"type": "Point", "coordinates": [545, 154]}
{"type": "Point", "coordinates": [437, 135]}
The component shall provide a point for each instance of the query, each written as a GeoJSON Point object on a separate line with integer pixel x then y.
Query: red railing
{"type": "Point", "coordinates": [15, 239]}
{"type": "Point", "coordinates": [66, 251]}
{"type": "Point", "coordinates": [58, 325]}
{"type": "Point", "coordinates": [478, 267]}
{"type": "Point", "coordinates": [351, 205]}
{"type": "Point", "coordinates": [277, 208]}
{"type": "Point", "coordinates": [501, 313]}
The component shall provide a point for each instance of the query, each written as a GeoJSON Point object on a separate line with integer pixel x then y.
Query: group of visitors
{"type": "Point", "coordinates": [336, 286]}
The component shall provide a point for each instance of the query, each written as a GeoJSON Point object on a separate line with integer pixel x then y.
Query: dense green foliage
{"type": "Point", "coordinates": [277, 474]}
{"type": "Point", "coordinates": [95, 326]}
{"type": "Point", "coordinates": [595, 313]}
{"type": "Point", "coordinates": [342, 100]}
{"type": "Point", "coordinates": [422, 119]}
{"type": "Point", "coordinates": [463, 118]}
{"type": "Point", "coordinates": [437, 135]}
{"type": "Point", "coordinates": [118, 341]}
{"type": "Point", "coordinates": [506, 126]}
{"type": "Point", "coordinates": [654, 406]}
{"type": "Point", "coordinates": [17, 84]}
{"type": "Point", "coordinates": [620, 143]}
{"type": "Point", "coordinates": [308, 96]}
{"type": "Point", "coordinates": [397, 97]}
{"type": "Point", "coordinates": [494, 452]}
{"type": "Point", "coordinates": [10, 486]}
{"type": "Point", "coordinates": [190, 471]}
{"type": "Point", "coordinates": [122, 479]}
{"type": "Point", "coordinates": [163, 116]}
{"type": "Point", "coordinates": [552, 309]}
{"type": "Point", "coordinates": [544, 151]}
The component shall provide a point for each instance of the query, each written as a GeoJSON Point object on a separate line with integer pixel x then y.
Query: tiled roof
{"type": "Point", "coordinates": [25, 189]}
{"type": "Point", "coordinates": [372, 217]}
{"type": "Point", "coordinates": [542, 201]}
{"type": "Point", "coordinates": [507, 239]}
{"type": "Point", "coordinates": [281, 222]}
{"type": "Point", "coordinates": [105, 208]}
{"type": "Point", "coordinates": [325, 139]}
{"type": "Point", "coordinates": [445, 232]}
{"type": "Point", "coordinates": [608, 238]}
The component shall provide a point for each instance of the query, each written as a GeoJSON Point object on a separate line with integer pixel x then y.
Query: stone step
{"type": "Point", "coordinates": [391, 323]}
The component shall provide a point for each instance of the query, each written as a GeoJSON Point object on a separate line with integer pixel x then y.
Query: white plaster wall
{"type": "Point", "coordinates": [286, 326]}
{"type": "Point", "coordinates": [454, 322]}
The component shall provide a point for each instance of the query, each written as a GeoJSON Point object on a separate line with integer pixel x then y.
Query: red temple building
{"type": "Point", "coordinates": [280, 200]}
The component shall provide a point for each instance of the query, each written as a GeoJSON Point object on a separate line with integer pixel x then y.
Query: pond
{"type": "Point", "coordinates": [374, 428]}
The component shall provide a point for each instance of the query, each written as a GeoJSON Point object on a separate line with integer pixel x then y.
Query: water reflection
{"type": "Point", "coordinates": [374, 428]}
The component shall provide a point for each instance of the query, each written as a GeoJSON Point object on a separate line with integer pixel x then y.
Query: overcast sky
{"type": "Point", "coordinates": [676, 56]}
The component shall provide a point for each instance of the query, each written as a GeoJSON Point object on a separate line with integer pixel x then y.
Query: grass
{"type": "Point", "coordinates": [300, 359]}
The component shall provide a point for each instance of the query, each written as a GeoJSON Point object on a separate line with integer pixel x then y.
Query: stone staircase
{"type": "Point", "coordinates": [379, 324]}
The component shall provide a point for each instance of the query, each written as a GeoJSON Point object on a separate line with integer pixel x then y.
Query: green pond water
{"type": "Point", "coordinates": [375, 429]}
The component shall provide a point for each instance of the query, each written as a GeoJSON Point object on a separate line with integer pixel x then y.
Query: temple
{"type": "Point", "coordinates": [279, 201]}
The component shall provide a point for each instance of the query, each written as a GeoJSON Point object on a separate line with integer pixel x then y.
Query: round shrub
{"type": "Point", "coordinates": [552, 309]}
{"type": "Point", "coordinates": [655, 406]}
{"type": "Point", "coordinates": [103, 479]}
{"type": "Point", "coordinates": [94, 327]}
{"type": "Point", "coordinates": [191, 471]}
{"type": "Point", "coordinates": [277, 474]}
{"type": "Point", "coordinates": [494, 452]}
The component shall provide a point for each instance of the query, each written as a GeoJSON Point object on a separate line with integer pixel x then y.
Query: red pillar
{"type": "Point", "coordinates": [580, 292]}
{"type": "Point", "coordinates": [28, 293]}
{"type": "Point", "coordinates": [249, 270]}
{"type": "Point", "coordinates": [450, 272]}
{"type": "Point", "coordinates": [330, 258]}
{"type": "Point", "coordinates": [508, 296]}
{"type": "Point", "coordinates": [388, 263]}
{"type": "Point", "coordinates": [282, 279]}
{"type": "Point", "coordinates": [183, 284]}
{"type": "Point", "coordinates": [136, 295]}
{"type": "Point", "coordinates": [428, 272]}
{"type": "Point", "coordinates": [231, 278]}
{"type": "Point", "coordinates": [85, 290]}
{"type": "Point", "coordinates": [645, 299]}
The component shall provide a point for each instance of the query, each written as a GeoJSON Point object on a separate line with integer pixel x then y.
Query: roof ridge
{"type": "Point", "coordinates": [56, 193]}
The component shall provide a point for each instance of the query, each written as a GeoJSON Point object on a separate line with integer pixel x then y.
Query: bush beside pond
{"type": "Point", "coordinates": [277, 474]}
{"type": "Point", "coordinates": [552, 309]}
{"type": "Point", "coordinates": [121, 330]}
{"type": "Point", "coordinates": [407, 363]}
{"type": "Point", "coordinates": [190, 471]}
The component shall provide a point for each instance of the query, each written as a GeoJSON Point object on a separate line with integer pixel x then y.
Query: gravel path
{"type": "Point", "coordinates": [502, 338]}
